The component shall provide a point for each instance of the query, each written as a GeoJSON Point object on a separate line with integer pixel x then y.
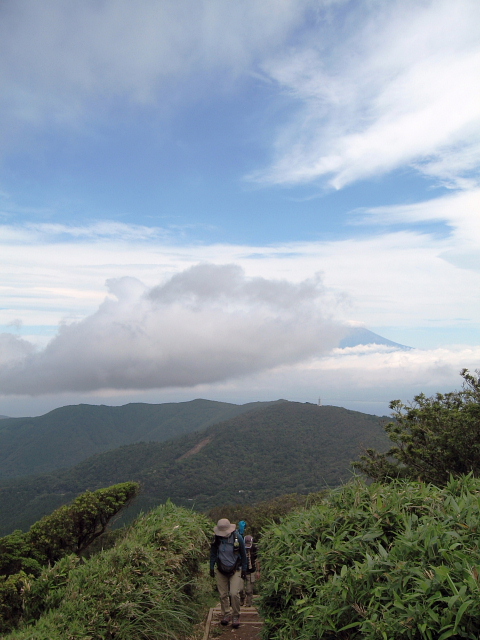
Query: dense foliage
{"type": "Point", "coordinates": [433, 438]}
{"type": "Point", "coordinates": [378, 562]}
{"type": "Point", "coordinates": [73, 527]}
{"type": "Point", "coordinates": [287, 447]}
{"type": "Point", "coordinates": [17, 554]}
{"type": "Point", "coordinates": [150, 585]}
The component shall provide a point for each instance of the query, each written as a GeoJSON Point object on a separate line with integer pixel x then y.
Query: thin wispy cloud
{"type": "Point", "coordinates": [459, 211]}
{"type": "Point", "coordinates": [401, 88]}
{"type": "Point", "coordinates": [147, 53]}
{"type": "Point", "coordinates": [40, 233]}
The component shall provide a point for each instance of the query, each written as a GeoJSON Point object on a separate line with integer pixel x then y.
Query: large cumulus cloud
{"type": "Point", "coordinates": [206, 324]}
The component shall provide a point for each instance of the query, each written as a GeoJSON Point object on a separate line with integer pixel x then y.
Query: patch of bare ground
{"type": "Point", "coordinates": [196, 448]}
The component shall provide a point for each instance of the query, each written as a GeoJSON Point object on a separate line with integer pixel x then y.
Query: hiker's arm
{"type": "Point", "coordinates": [243, 554]}
{"type": "Point", "coordinates": [213, 557]}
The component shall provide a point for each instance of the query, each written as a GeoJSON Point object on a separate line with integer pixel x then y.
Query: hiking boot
{"type": "Point", "coordinates": [225, 620]}
{"type": "Point", "coordinates": [236, 622]}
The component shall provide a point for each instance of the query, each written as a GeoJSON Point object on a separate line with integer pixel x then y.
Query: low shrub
{"type": "Point", "coordinates": [378, 562]}
{"type": "Point", "coordinates": [13, 591]}
{"type": "Point", "coordinates": [73, 527]}
{"type": "Point", "coordinates": [70, 529]}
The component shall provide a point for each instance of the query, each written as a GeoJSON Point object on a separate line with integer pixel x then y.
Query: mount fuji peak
{"type": "Point", "coordinates": [361, 336]}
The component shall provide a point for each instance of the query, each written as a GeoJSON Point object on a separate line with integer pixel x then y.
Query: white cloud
{"type": "Point", "coordinates": [400, 87]}
{"type": "Point", "coordinates": [13, 349]}
{"type": "Point", "coordinates": [201, 326]}
{"type": "Point", "coordinates": [407, 279]}
{"type": "Point", "coordinates": [358, 376]}
{"type": "Point", "coordinates": [390, 369]}
{"type": "Point", "coordinates": [206, 324]}
{"type": "Point", "coordinates": [460, 211]}
{"type": "Point", "coordinates": [97, 230]}
{"type": "Point", "coordinates": [61, 63]}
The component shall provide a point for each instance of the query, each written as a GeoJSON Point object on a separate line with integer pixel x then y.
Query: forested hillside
{"type": "Point", "coordinates": [283, 448]}
{"type": "Point", "coordinates": [65, 436]}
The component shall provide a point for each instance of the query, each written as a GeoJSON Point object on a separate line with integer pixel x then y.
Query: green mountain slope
{"type": "Point", "coordinates": [65, 436]}
{"type": "Point", "coordinates": [283, 448]}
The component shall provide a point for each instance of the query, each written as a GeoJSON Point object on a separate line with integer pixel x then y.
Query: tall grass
{"type": "Point", "coordinates": [150, 586]}
{"type": "Point", "coordinates": [376, 562]}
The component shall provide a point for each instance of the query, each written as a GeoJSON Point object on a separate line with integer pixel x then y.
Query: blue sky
{"type": "Point", "coordinates": [199, 199]}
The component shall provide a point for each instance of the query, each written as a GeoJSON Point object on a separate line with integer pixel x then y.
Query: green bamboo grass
{"type": "Point", "coordinates": [378, 562]}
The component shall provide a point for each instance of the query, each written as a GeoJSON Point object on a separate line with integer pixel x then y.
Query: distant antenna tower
{"type": "Point", "coordinates": [319, 402]}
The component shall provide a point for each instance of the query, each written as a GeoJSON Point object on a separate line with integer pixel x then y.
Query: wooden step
{"type": "Point", "coordinates": [248, 616]}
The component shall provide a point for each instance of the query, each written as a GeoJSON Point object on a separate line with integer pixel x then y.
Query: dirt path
{"type": "Point", "coordinates": [250, 626]}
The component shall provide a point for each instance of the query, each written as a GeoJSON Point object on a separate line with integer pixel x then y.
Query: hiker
{"type": "Point", "coordinates": [227, 552]}
{"type": "Point", "coordinates": [242, 525]}
{"type": "Point", "coordinates": [253, 571]}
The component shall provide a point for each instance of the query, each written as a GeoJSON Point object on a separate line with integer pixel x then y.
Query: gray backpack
{"type": "Point", "coordinates": [228, 554]}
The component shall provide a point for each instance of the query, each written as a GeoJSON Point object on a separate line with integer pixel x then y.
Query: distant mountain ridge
{"type": "Point", "coordinates": [281, 448]}
{"type": "Point", "coordinates": [65, 436]}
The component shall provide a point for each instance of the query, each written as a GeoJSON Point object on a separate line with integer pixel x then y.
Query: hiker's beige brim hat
{"type": "Point", "coordinates": [224, 528]}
